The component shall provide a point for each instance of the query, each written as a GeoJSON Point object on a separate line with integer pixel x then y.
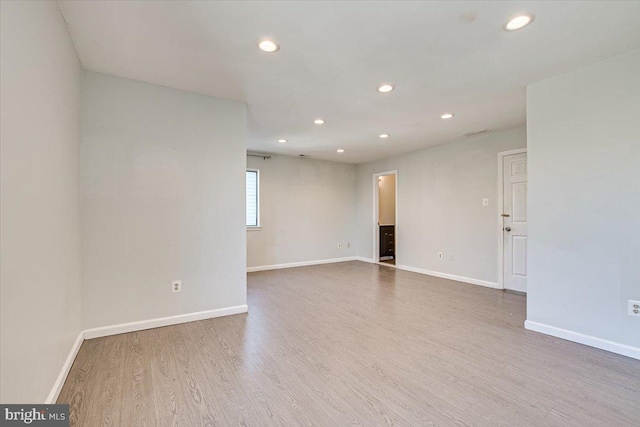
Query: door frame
{"type": "Point", "coordinates": [376, 211]}
{"type": "Point", "coordinates": [501, 156]}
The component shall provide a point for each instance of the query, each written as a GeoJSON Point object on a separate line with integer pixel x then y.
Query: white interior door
{"type": "Point", "coordinates": [514, 230]}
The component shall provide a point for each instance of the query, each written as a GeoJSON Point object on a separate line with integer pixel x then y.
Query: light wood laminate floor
{"type": "Point", "coordinates": [353, 344]}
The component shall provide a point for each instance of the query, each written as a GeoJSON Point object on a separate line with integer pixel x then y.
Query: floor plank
{"type": "Point", "coordinates": [353, 344]}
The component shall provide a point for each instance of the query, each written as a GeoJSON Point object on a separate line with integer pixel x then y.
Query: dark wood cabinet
{"type": "Point", "coordinates": [387, 241]}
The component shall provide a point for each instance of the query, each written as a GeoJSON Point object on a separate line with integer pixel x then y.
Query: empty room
{"type": "Point", "coordinates": [327, 213]}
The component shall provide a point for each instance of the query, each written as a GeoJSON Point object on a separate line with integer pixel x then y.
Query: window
{"type": "Point", "coordinates": [253, 198]}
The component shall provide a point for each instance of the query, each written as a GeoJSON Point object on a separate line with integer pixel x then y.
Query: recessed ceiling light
{"type": "Point", "coordinates": [519, 21]}
{"type": "Point", "coordinates": [340, 150]}
{"type": "Point", "coordinates": [447, 116]}
{"type": "Point", "coordinates": [384, 135]}
{"type": "Point", "coordinates": [318, 121]}
{"type": "Point", "coordinates": [268, 46]}
{"type": "Point", "coordinates": [386, 87]}
{"type": "Point", "coordinates": [282, 141]}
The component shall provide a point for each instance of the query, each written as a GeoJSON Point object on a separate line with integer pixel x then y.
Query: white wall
{"type": "Point", "coordinates": [584, 199]}
{"type": "Point", "coordinates": [387, 200]}
{"type": "Point", "coordinates": [163, 175]}
{"type": "Point", "coordinates": [306, 207]}
{"type": "Point", "coordinates": [40, 293]}
{"type": "Point", "coordinates": [440, 192]}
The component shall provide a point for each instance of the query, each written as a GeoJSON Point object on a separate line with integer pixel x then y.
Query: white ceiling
{"type": "Point", "coordinates": [442, 56]}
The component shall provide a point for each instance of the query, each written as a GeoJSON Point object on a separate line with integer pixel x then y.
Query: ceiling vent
{"type": "Point", "coordinates": [478, 132]}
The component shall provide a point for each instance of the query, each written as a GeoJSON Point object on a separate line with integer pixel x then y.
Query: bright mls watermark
{"type": "Point", "coordinates": [34, 415]}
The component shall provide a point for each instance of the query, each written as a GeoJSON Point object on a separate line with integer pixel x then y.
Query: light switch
{"type": "Point", "coordinates": [485, 202]}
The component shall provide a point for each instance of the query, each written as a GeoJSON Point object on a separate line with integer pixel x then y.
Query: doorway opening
{"type": "Point", "coordinates": [385, 212]}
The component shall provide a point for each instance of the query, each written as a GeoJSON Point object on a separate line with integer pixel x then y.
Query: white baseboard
{"type": "Point", "coordinates": [162, 321]}
{"type": "Point", "coordinates": [298, 264]}
{"type": "Point", "coordinates": [602, 344]}
{"type": "Point", "coordinates": [450, 277]}
{"type": "Point", "coordinates": [132, 327]}
{"type": "Point", "coordinates": [62, 377]}
{"type": "Point", "coordinates": [437, 274]}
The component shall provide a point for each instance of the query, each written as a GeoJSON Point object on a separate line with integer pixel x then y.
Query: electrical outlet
{"type": "Point", "coordinates": [451, 257]}
{"type": "Point", "coordinates": [485, 202]}
{"type": "Point", "coordinates": [176, 286]}
{"type": "Point", "coordinates": [634, 308]}
{"type": "Point", "coordinates": [339, 245]}
{"type": "Point", "coordinates": [439, 255]}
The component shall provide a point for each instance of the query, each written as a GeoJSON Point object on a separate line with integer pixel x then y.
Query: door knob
{"type": "Point", "coordinates": [507, 229]}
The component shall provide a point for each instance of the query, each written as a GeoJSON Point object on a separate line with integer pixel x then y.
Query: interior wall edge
{"type": "Point", "coordinates": [298, 264]}
{"type": "Point", "coordinates": [132, 327]}
{"type": "Point", "coordinates": [64, 372]}
{"type": "Point", "coordinates": [159, 322]}
{"type": "Point", "coordinates": [469, 280]}
{"type": "Point", "coordinates": [591, 341]}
